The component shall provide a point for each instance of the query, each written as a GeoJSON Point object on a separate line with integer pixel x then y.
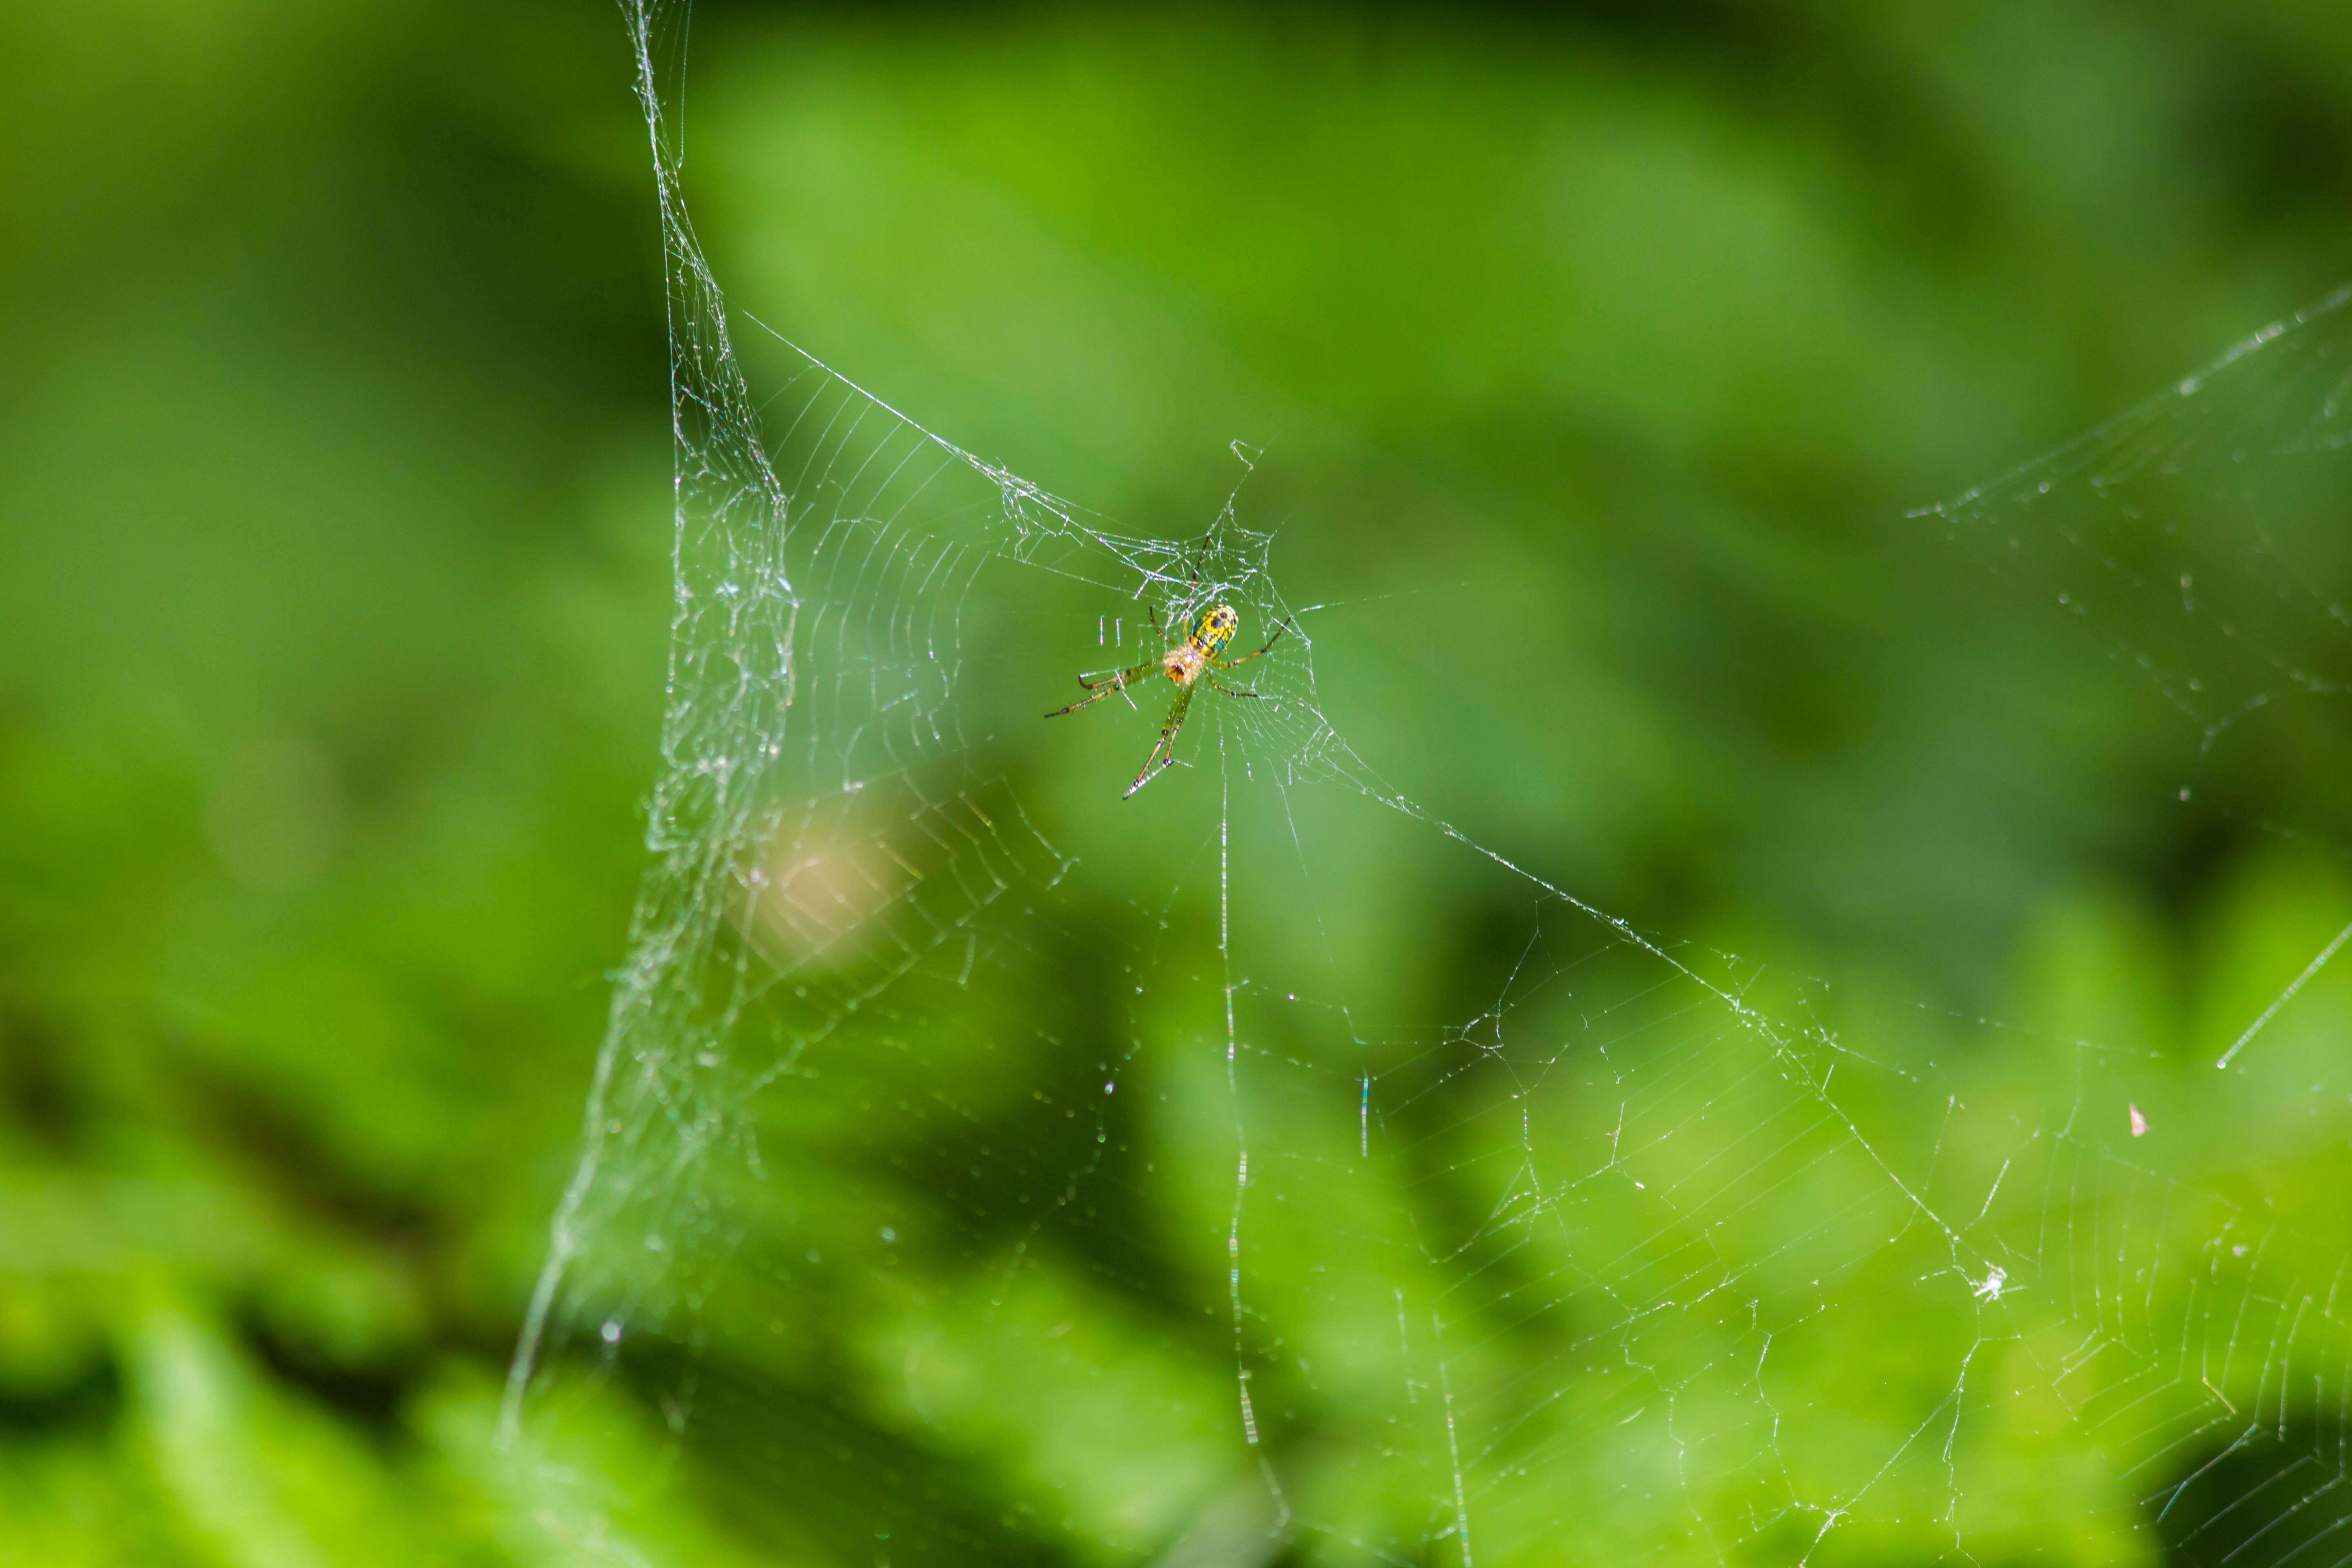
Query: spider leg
{"type": "Point", "coordinates": [1280, 628]}
{"type": "Point", "coordinates": [1179, 615]}
{"type": "Point", "coordinates": [1229, 692]}
{"type": "Point", "coordinates": [1164, 751]}
{"type": "Point", "coordinates": [1098, 689]}
{"type": "Point", "coordinates": [1120, 678]}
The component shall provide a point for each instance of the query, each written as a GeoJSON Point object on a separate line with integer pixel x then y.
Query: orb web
{"type": "Point", "coordinates": [979, 1163]}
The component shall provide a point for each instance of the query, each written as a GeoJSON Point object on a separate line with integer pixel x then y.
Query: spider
{"type": "Point", "coordinates": [1187, 664]}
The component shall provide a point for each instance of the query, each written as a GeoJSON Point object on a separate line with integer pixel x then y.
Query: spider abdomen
{"type": "Point", "coordinates": [1185, 661]}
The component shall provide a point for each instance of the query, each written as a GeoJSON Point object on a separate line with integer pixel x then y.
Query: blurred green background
{"type": "Point", "coordinates": [334, 576]}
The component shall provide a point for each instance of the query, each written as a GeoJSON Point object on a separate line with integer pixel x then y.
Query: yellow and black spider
{"type": "Point", "coordinates": [1187, 664]}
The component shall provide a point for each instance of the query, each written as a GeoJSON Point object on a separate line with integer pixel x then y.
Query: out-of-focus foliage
{"type": "Point", "coordinates": [333, 575]}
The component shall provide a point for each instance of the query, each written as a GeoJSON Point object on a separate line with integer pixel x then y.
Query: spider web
{"type": "Point", "coordinates": [928, 1055]}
